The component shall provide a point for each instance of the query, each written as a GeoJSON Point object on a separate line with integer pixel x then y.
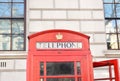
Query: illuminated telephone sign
{"type": "Point", "coordinates": [59, 45]}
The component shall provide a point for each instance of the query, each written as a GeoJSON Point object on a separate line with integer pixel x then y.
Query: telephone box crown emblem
{"type": "Point", "coordinates": [59, 36]}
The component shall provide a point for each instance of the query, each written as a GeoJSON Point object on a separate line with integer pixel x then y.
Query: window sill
{"type": "Point", "coordinates": [13, 54]}
{"type": "Point", "coordinates": [112, 53]}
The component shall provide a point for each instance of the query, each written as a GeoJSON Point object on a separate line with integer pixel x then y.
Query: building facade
{"type": "Point", "coordinates": [21, 18]}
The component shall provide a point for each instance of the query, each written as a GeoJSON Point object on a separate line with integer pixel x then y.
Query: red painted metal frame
{"type": "Point", "coordinates": [109, 63]}
{"type": "Point", "coordinates": [65, 59]}
{"type": "Point", "coordinates": [59, 55]}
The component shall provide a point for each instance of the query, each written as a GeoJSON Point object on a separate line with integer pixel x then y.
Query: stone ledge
{"type": "Point", "coordinates": [13, 56]}
{"type": "Point", "coordinates": [112, 53]}
{"type": "Point", "coordinates": [12, 70]}
{"type": "Point", "coordinates": [13, 52]}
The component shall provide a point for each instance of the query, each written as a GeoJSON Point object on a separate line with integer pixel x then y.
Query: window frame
{"type": "Point", "coordinates": [115, 18]}
{"type": "Point", "coordinates": [12, 18]}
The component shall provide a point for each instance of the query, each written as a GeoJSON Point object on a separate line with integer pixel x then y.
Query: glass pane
{"type": "Point", "coordinates": [42, 79]}
{"type": "Point", "coordinates": [118, 10]}
{"type": "Point", "coordinates": [113, 71]}
{"type": "Point", "coordinates": [60, 68]}
{"type": "Point", "coordinates": [110, 26]}
{"type": "Point", "coordinates": [41, 68]}
{"type": "Point", "coordinates": [103, 73]}
{"type": "Point", "coordinates": [5, 0]}
{"type": "Point", "coordinates": [4, 42]}
{"type": "Point", "coordinates": [17, 26]}
{"type": "Point", "coordinates": [118, 25]}
{"type": "Point", "coordinates": [119, 39]}
{"type": "Point", "coordinates": [109, 10]}
{"type": "Point", "coordinates": [18, 0]}
{"type": "Point", "coordinates": [5, 26]}
{"type": "Point", "coordinates": [18, 10]}
{"type": "Point", "coordinates": [18, 42]}
{"type": "Point", "coordinates": [108, 1]}
{"type": "Point", "coordinates": [112, 41]}
{"type": "Point", "coordinates": [5, 9]}
{"type": "Point", "coordinates": [78, 68]}
{"type": "Point", "coordinates": [60, 79]}
{"type": "Point", "coordinates": [117, 1]}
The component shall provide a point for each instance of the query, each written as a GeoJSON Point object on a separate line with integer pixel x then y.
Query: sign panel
{"type": "Point", "coordinates": [59, 45]}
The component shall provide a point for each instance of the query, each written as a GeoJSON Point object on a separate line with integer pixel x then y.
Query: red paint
{"type": "Point", "coordinates": [82, 55]}
{"type": "Point", "coordinates": [114, 63]}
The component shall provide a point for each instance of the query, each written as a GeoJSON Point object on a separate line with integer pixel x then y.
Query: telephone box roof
{"type": "Point", "coordinates": [57, 30]}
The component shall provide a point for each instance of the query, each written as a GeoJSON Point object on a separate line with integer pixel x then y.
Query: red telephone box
{"type": "Point", "coordinates": [59, 55]}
